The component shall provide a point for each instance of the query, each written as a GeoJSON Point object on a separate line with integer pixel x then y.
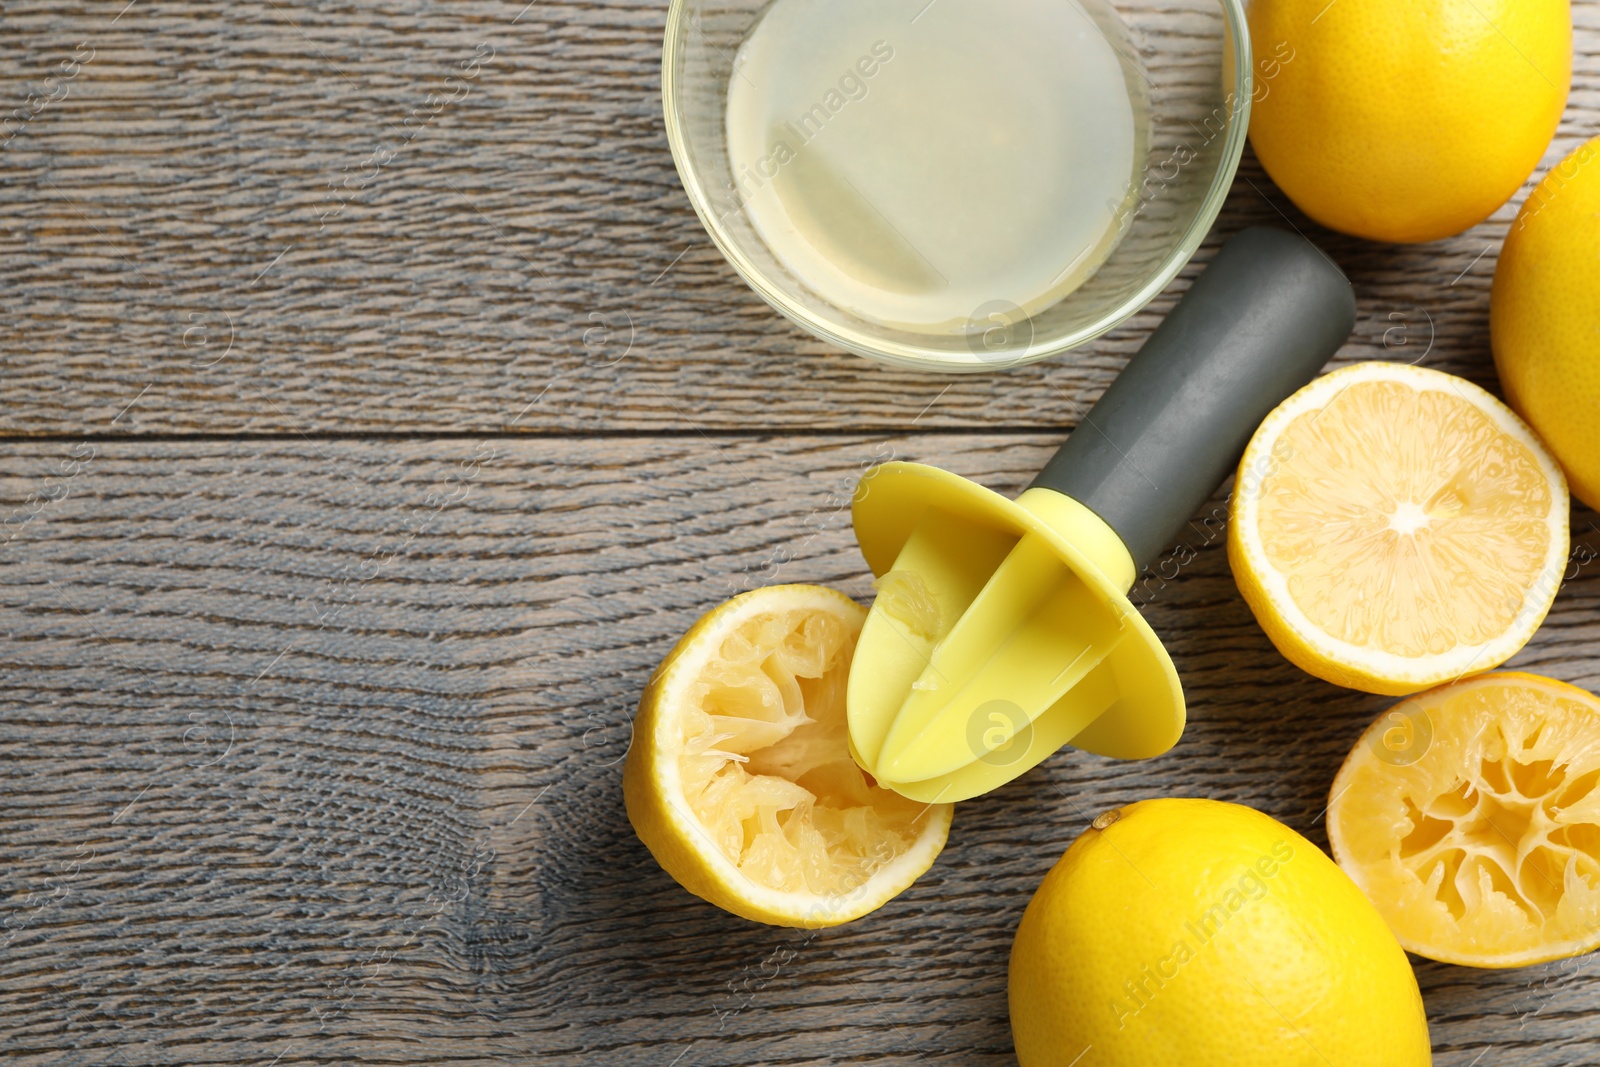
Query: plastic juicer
{"type": "Point", "coordinates": [1002, 629]}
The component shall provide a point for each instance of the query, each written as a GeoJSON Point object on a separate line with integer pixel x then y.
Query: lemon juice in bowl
{"type": "Point", "coordinates": [931, 166]}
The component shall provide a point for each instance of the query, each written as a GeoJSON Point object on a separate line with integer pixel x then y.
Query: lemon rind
{"type": "Point", "coordinates": [732, 888]}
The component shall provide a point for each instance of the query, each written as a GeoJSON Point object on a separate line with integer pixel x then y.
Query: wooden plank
{"type": "Point", "coordinates": [311, 753]}
{"type": "Point", "coordinates": [206, 232]}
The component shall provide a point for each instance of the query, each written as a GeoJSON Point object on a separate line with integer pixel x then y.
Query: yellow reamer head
{"type": "Point", "coordinates": [1001, 631]}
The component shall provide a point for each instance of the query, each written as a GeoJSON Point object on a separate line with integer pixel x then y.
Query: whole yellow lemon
{"type": "Point", "coordinates": [1406, 121]}
{"type": "Point", "coordinates": [1544, 316]}
{"type": "Point", "coordinates": [1204, 934]}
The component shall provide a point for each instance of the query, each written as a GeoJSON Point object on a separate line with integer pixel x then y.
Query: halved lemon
{"type": "Point", "coordinates": [1470, 815]}
{"type": "Point", "coordinates": [1394, 528]}
{"type": "Point", "coordinates": [740, 780]}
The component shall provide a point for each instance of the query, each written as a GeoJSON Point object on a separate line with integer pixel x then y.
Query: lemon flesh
{"type": "Point", "coordinates": [1470, 815]}
{"type": "Point", "coordinates": [1193, 933]}
{"type": "Point", "coordinates": [1395, 527]}
{"type": "Point", "coordinates": [740, 780]}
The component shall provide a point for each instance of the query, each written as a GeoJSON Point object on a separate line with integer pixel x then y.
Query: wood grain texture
{"type": "Point", "coordinates": [310, 742]}
{"type": "Point", "coordinates": [527, 262]}
{"type": "Point", "coordinates": [311, 750]}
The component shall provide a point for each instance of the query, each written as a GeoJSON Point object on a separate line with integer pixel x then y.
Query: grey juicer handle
{"type": "Point", "coordinates": [1265, 316]}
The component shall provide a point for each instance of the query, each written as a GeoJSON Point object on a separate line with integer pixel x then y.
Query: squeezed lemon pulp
{"type": "Point", "coordinates": [1486, 849]}
{"type": "Point", "coordinates": [765, 762]}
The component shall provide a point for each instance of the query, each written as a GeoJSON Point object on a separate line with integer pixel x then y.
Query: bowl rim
{"type": "Point", "coordinates": [915, 357]}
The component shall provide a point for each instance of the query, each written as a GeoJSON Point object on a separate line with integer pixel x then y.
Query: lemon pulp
{"type": "Point", "coordinates": [766, 766]}
{"type": "Point", "coordinates": [1395, 527]}
{"type": "Point", "coordinates": [740, 779]}
{"type": "Point", "coordinates": [1485, 849]}
{"type": "Point", "coordinates": [1405, 520]}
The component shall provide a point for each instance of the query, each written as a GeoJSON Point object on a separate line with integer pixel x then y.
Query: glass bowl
{"type": "Point", "coordinates": [1189, 59]}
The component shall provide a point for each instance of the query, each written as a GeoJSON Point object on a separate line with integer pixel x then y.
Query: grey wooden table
{"type": "Point", "coordinates": [365, 444]}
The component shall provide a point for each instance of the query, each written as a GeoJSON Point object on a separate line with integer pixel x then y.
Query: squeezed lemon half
{"type": "Point", "coordinates": [1394, 528]}
{"type": "Point", "coordinates": [1470, 815]}
{"type": "Point", "coordinates": [740, 779]}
